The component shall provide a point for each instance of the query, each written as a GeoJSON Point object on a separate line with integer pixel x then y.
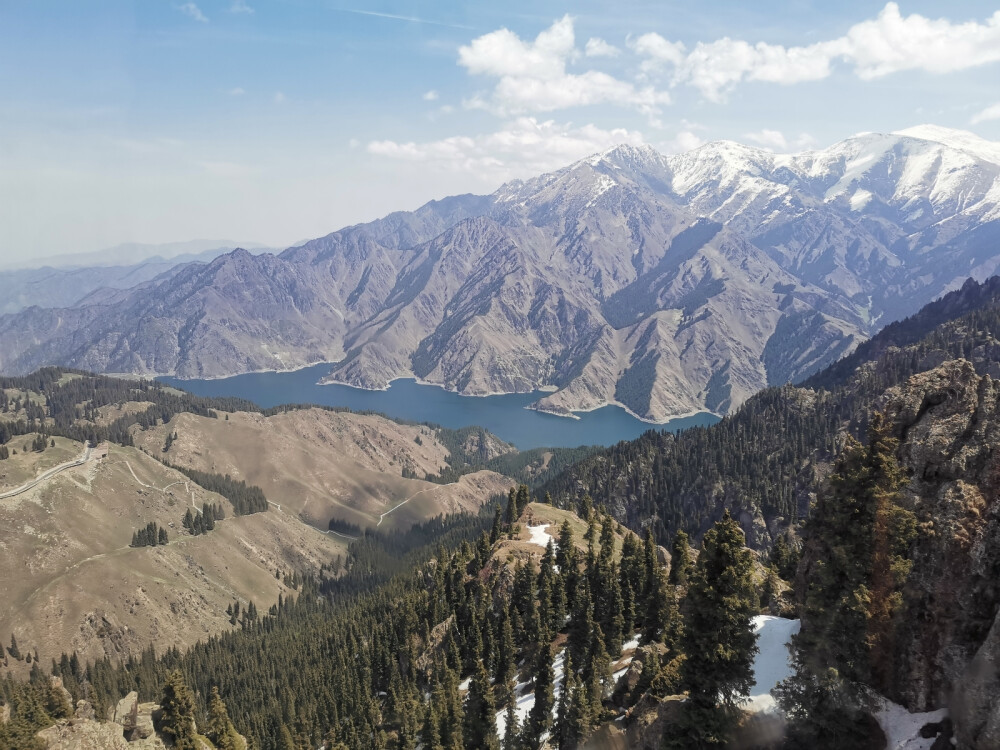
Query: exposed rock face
{"type": "Point", "coordinates": [665, 284]}
{"type": "Point", "coordinates": [948, 638]}
{"type": "Point", "coordinates": [85, 734]}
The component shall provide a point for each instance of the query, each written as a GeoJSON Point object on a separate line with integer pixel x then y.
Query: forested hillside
{"type": "Point", "coordinates": [766, 461]}
{"type": "Point", "coordinates": [512, 634]}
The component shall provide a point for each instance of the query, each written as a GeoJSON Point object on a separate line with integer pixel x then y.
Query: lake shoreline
{"type": "Point", "coordinates": [508, 416]}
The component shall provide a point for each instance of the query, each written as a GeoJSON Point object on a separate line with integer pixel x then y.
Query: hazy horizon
{"type": "Point", "coordinates": [271, 122]}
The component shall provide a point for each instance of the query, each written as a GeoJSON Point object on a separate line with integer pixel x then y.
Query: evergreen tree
{"type": "Point", "coordinates": [859, 539]}
{"type": "Point", "coordinates": [680, 563]}
{"type": "Point", "coordinates": [177, 721]}
{"type": "Point", "coordinates": [540, 715]}
{"type": "Point", "coordinates": [718, 641]}
{"type": "Point", "coordinates": [220, 728]}
{"type": "Point", "coordinates": [512, 732]}
{"type": "Point", "coordinates": [480, 713]}
{"type": "Point", "coordinates": [573, 710]}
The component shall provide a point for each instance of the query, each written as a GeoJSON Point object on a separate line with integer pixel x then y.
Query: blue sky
{"type": "Point", "coordinates": [267, 121]}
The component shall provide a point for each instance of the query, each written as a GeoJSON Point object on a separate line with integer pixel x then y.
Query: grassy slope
{"type": "Point", "coordinates": [77, 585]}
{"type": "Point", "coordinates": [322, 464]}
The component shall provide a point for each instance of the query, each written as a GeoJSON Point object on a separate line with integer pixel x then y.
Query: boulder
{"type": "Point", "coordinates": [85, 710]}
{"type": "Point", "coordinates": [85, 734]}
{"type": "Point", "coordinates": [4, 713]}
{"type": "Point", "coordinates": [125, 711]}
{"type": "Point", "coordinates": [144, 724]}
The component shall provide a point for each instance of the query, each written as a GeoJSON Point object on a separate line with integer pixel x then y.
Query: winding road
{"type": "Point", "coordinates": [46, 475]}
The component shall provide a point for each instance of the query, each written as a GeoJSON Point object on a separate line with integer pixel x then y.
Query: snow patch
{"type": "Point", "coordinates": [860, 199]}
{"type": "Point", "coordinates": [540, 536]}
{"type": "Point", "coordinates": [902, 729]}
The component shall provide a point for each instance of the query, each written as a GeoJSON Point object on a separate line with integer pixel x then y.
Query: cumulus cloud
{"type": "Point", "coordinates": [890, 43]}
{"type": "Point", "coordinates": [597, 47]}
{"type": "Point", "coordinates": [524, 147]}
{"type": "Point", "coordinates": [279, 97]}
{"type": "Point", "coordinates": [685, 140]}
{"type": "Point", "coordinates": [240, 6]}
{"type": "Point", "coordinates": [431, 96]}
{"type": "Point", "coordinates": [775, 140]}
{"type": "Point", "coordinates": [990, 113]}
{"type": "Point", "coordinates": [532, 76]}
{"type": "Point", "coordinates": [190, 9]}
{"type": "Point", "coordinates": [657, 51]}
{"type": "Point", "coordinates": [238, 91]}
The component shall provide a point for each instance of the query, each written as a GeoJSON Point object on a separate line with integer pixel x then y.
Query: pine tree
{"type": "Point", "coordinates": [680, 563]}
{"type": "Point", "coordinates": [859, 540]}
{"type": "Point", "coordinates": [177, 720]}
{"type": "Point", "coordinates": [573, 710]}
{"type": "Point", "coordinates": [540, 715]}
{"type": "Point", "coordinates": [505, 666]}
{"type": "Point", "coordinates": [719, 641]}
{"type": "Point", "coordinates": [220, 728]}
{"type": "Point", "coordinates": [512, 732]}
{"type": "Point", "coordinates": [480, 731]}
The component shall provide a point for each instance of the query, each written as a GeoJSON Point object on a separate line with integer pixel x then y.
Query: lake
{"type": "Point", "coordinates": [504, 416]}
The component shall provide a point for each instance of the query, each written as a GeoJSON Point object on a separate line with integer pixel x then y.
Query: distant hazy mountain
{"type": "Point", "coordinates": [666, 284]}
{"type": "Point", "coordinates": [134, 253]}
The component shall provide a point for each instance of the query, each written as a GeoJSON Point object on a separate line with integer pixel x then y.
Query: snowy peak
{"type": "Point", "coordinates": [960, 140]}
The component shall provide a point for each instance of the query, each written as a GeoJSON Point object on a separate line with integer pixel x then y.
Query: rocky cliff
{"type": "Point", "coordinates": [948, 636]}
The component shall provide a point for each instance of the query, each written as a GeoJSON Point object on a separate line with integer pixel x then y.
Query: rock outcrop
{"type": "Point", "coordinates": [947, 650]}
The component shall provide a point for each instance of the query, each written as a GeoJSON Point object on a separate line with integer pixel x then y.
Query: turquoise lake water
{"type": "Point", "coordinates": [504, 416]}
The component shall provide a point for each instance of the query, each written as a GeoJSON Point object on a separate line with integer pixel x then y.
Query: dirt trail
{"type": "Point", "coordinates": [46, 475]}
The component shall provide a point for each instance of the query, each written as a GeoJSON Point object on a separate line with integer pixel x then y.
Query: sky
{"type": "Point", "coordinates": [274, 121]}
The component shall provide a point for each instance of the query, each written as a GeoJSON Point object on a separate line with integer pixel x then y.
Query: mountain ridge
{"type": "Point", "coordinates": [601, 280]}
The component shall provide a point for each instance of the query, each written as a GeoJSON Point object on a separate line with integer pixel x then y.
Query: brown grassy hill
{"type": "Point", "coordinates": [69, 580]}
{"type": "Point", "coordinates": [322, 464]}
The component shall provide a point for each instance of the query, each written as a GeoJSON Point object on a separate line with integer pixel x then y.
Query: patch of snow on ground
{"type": "Point", "coordinates": [902, 729]}
{"type": "Point", "coordinates": [773, 661]}
{"type": "Point", "coordinates": [464, 684]}
{"type": "Point", "coordinates": [526, 700]}
{"type": "Point", "coordinates": [540, 536]}
{"type": "Point", "coordinates": [630, 645]}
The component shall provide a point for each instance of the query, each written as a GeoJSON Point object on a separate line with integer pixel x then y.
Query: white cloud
{"type": "Point", "coordinates": [657, 51]}
{"type": "Point", "coordinates": [772, 140]}
{"type": "Point", "coordinates": [532, 76]}
{"type": "Point", "coordinates": [685, 140]}
{"type": "Point", "coordinates": [775, 140]}
{"type": "Point", "coordinates": [597, 47]}
{"type": "Point", "coordinates": [190, 9]}
{"type": "Point", "coordinates": [889, 43]}
{"type": "Point", "coordinates": [279, 97]}
{"type": "Point", "coordinates": [431, 96]}
{"type": "Point", "coordinates": [240, 6]}
{"type": "Point", "coordinates": [238, 91]}
{"type": "Point", "coordinates": [990, 113]}
{"type": "Point", "coordinates": [523, 148]}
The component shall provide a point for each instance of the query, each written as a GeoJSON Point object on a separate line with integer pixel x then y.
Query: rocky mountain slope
{"type": "Point", "coordinates": [666, 284]}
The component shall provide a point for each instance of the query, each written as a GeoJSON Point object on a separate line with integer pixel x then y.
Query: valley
{"type": "Point", "coordinates": [222, 515]}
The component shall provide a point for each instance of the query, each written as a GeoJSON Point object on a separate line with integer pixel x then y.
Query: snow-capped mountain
{"type": "Point", "coordinates": [668, 284]}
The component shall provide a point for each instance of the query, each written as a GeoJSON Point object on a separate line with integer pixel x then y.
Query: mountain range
{"type": "Point", "coordinates": [666, 284]}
